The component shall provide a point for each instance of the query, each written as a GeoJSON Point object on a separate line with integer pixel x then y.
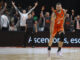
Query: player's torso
{"type": "Point", "coordinates": [59, 21]}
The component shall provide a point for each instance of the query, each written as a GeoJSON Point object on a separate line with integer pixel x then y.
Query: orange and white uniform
{"type": "Point", "coordinates": [59, 22]}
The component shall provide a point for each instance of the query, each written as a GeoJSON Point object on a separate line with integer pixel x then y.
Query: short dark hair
{"type": "Point", "coordinates": [58, 3]}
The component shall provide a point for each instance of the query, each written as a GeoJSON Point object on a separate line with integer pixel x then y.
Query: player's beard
{"type": "Point", "coordinates": [58, 11]}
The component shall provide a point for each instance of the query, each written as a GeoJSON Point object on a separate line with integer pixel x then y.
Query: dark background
{"type": "Point", "coordinates": [67, 4]}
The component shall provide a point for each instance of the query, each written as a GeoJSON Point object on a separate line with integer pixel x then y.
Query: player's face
{"type": "Point", "coordinates": [24, 11]}
{"type": "Point", "coordinates": [58, 7]}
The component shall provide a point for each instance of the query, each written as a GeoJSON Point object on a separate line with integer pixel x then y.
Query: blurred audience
{"type": "Point", "coordinates": [14, 20]}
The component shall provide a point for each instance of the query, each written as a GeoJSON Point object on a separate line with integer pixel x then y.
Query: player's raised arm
{"type": "Point", "coordinates": [16, 7]}
{"type": "Point", "coordinates": [33, 8]}
{"type": "Point", "coordinates": [3, 8]}
{"type": "Point", "coordinates": [53, 16]}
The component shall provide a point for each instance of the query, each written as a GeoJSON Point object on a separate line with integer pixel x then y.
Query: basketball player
{"type": "Point", "coordinates": [56, 27]}
{"type": "Point", "coordinates": [24, 16]}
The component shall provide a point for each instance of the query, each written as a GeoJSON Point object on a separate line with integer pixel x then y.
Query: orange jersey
{"type": "Point", "coordinates": [59, 21]}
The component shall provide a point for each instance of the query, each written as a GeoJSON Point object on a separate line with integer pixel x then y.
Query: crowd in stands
{"type": "Point", "coordinates": [17, 19]}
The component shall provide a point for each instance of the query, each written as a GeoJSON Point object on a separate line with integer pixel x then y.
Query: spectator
{"type": "Point", "coordinates": [72, 26]}
{"type": "Point", "coordinates": [72, 15]}
{"type": "Point", "coordinates": [4, 22]}
{"type": "Point", "coordinates": [29, 23]}
{"type": "Point", "coordinates": [42, 20]}
{"type": "Point", "coordinates": [16, 17]}
{"type": "Point", "coordinates": [67, 23]}
{"type": "Point", "coordinates": [47, 21]}
{"type": "Point", "coordinates": [52, 9]}
{"type": "Point", "coordinates": [1, 11]}
{"type": "Point", "coordinates": [72, 21]}
{"type": "Point", "coordinates": [6, 12]}
{"type": "Point", "coordinates": [29, 29]}
{"type": "Point", "coordinates": [23, 16]}
{"type": "Point", "coordinates": [12, 27]}
{"type": "Point", "coordinates": [12, 11]}
{"type": "Point", "coordinates": [35, 20]}
{"type": "Point", "coordinates": [77, 24]}
{"type": "Point", "coordinates": [29, 7]}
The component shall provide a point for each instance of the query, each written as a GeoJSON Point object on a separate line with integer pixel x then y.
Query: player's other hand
{"type": "Point", "coordinates": [36, 4]}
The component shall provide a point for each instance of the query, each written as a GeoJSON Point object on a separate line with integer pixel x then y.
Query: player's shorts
{"type": "Point", "coordinates": [56, 30]}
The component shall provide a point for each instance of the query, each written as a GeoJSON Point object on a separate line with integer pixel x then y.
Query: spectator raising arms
{"type": "Point", "coordinates": [23, 16]}
{"type": "Point", "coordinates": [42, 19]}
